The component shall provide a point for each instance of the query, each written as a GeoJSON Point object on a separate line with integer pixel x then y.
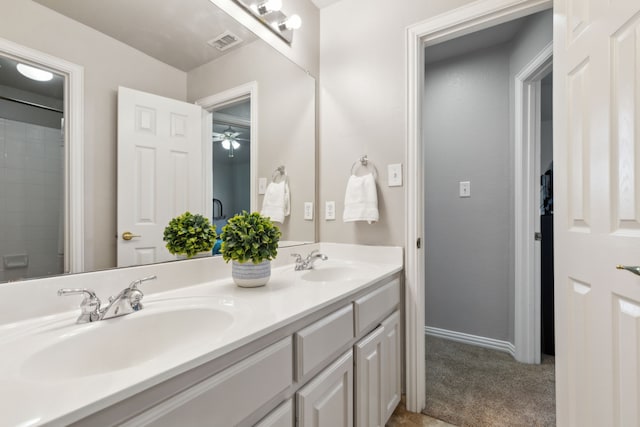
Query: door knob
{"type": "Point", "coordinates": [635, 269]}
{"type": "Point", "coordinates": [127, 235]}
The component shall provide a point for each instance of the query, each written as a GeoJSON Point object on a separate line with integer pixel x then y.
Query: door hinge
{"type": "Point", "coordinates": [537, 235]}
{"type": "Point", "coordinates": [418, 243]}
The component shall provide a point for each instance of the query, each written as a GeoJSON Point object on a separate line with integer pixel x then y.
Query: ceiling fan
{"type": "Point", "coordinates": [228, 139]}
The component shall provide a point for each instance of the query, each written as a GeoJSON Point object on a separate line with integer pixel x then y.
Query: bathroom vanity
{"type": "Point", "coordinates": [320, 347]}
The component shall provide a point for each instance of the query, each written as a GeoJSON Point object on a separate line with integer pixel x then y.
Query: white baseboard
{"type": "Point", "coordinates": [485, 342]}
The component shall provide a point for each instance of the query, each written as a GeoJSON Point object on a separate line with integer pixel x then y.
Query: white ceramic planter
{"type": "Point", "coordinates": [250, 275]}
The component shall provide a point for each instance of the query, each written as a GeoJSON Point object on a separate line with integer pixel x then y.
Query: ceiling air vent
{"type": "Point", "coordinates": [225, 41]}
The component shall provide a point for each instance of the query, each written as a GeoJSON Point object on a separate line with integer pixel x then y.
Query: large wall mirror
{"type": "Point", "coordinates": [188, 51]}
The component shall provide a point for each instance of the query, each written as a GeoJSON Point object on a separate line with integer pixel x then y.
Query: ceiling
{"type": "Point", "coordinates": [482, 39]}
{"type": "Point", "coordinates": [323, 3]}
{"type": "Point", "coordinates": [174, 32]}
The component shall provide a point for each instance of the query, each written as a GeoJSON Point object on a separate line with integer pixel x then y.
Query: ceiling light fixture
{"type": "Point", "coordinates": [228, 143]}
{"type": "Point", "coordinates": [34, 73]}
{"type": "Point", "coordinates": [268, 13]}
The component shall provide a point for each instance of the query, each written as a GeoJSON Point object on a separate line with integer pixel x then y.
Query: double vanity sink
{"type": "Point", "coordinates": [54, 370]}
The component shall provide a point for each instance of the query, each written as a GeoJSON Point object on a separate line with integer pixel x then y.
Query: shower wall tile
{"type": "Point", "coordinates": [31, 179]}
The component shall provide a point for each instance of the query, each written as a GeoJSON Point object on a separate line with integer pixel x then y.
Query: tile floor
{"type": "Point", "coordinates": [402, 418]}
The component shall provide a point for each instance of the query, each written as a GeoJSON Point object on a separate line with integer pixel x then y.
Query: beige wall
{"type": "Point", "coordinates": [107, 64]}
{"type": "Point", "coordinates": [286, 114]}
{"type": "Point", "coordinates": [362, 106]}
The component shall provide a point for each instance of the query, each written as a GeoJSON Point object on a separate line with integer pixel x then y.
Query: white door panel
{"type": "Point", "coordinates": [597, 218]}
{"type": "Point", "coordinates": [159, 171]}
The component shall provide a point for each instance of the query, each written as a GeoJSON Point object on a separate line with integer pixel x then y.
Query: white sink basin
{"type": "Point", "coordinates": [159, 330]}
{"type": "Point", "coordinates": [332, 273]}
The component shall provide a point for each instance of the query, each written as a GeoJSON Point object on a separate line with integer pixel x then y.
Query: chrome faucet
{"type": "Point", "coordinates": [126, 302]}
{"type": "Point", "coordinates": [307, 263]}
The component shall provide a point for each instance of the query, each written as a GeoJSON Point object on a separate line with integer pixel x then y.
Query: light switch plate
{"type": "Point", "coordinates": [330, 210]}
{"type": "Point", "coordinates": [262, 185]}
{"type": "Point", "coordinates": [308, 210]}
{"type": "Point", "coordinates": [395, 175]}
{"type": "Point", "coordinates": [465, 188]}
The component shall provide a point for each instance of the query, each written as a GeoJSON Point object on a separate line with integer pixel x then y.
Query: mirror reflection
{"type": "Point", "coordinates": [31, 171]}
{"type": "Point", "coordinates": [162, 49]}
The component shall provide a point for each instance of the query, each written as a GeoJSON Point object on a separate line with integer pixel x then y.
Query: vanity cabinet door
{"type": "Point", "coordinates": [378, 373]}
{"type": "Point", "coordinates": [327, 400]}
{"type": "Point", "coordinates": [369, 380]}
{"type": "Point", "coordinates": [391, 366]}
{"type": "Point", "coordinates": [282, 416]}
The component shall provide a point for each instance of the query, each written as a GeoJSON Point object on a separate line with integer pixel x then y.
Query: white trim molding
{"type": "Point", "coordinates": [74, 146]}
{"type": "Point", "coordinates": [247, 90]}
{"type": "Point", "coordinates": [458, 22]}
{"type": "Point", "coordinates": [527, 169]}
{"type": "Point", "coordinates": [492, 343]}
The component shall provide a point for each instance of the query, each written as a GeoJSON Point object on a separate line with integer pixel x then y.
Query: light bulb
{"type": "Point", "coordinates": [291, 23]}
{"type": "Point", "coordinates": [225, 144]}
{"type": "Point", "coordinates": [235, 144]}
{"type": "Point", "coordinates": [34, 73]}
{"type": "Point", "coordinates": [269, 6]}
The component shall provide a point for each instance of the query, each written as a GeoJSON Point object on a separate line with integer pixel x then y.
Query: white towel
{"type": "Point", "coordinates": [361, 199]}
{"type": "Point", "coordinates": [277, 201]}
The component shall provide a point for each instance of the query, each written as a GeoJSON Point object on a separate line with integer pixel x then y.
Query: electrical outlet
{"type": "Point", "coordinates": [308, 210]}
{"type": "Point", "coordinates": [330, 210]}
{"type": "Point", "coordinates": [262, 185]}
{"type": "Point", "coordinates": [465, 188]}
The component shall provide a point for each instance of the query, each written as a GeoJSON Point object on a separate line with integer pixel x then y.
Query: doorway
{"type": "Point", "coordinates": [474, 172]}
{"type": "Point", "coordinates": [44, 127]}
{"type": "Point", "coordinates": [231, 159]}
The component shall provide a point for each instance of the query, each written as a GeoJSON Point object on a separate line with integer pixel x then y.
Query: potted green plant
{"type": "Point", "coordinates": [250, 241]}
{"type": "Point", "coordinates": [189, 234]}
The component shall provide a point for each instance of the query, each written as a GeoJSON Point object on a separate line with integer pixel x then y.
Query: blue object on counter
{"type": "Point", "coordinates": [216, 247]}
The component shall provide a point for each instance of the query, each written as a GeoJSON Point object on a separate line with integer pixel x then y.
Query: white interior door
{"type": "Point", "coordinates": [160, 171]}
{"type": "Point", "coordinates": [597, 211]}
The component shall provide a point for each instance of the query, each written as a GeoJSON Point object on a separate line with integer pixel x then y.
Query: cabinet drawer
{"type": "Point", "coordinates": [230, 396]}
{"type": "Point", "coordinates": [320, 340]}
{"type": "Point", "coordinates": [373, 307]}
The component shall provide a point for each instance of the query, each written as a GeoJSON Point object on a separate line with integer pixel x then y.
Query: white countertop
{"type": "Point", "coordinates": [29, 398]}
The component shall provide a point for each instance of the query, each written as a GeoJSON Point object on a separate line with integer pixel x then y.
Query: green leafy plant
{"type": "Point", "coordinates": [249, 236]}
{"type": "Point", "coordinates": [188, 234]}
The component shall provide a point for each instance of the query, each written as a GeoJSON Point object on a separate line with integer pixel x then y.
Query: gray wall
{"type": "Point", "coordinates": [467, 239]}
{"type": "Point", "coordinates": [469, 242]}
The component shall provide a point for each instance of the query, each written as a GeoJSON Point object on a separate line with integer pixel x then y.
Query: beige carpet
{"type": "Point", "coordinates": [473, 386]}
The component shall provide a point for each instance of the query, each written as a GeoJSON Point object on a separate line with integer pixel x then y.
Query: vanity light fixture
{"type": "Point", "coordinates": [269, 6]}
{"type": "Point", "coordinates": [34, 73]}
{"type": "Point", "coordinates": [291, 23]}
{"type": "Point", "coordinates": [269, 14]}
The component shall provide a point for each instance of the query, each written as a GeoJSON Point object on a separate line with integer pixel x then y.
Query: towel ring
{"type": "Point", "coordinates": [363, 162]}
{"type": "Point", "coordinates": [281, 172]}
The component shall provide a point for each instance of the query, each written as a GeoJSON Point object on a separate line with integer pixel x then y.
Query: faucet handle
{"type": "Point", "coordinates": [90, 305]}
{"type": "Point", "coordinates": [134, 285]}
{"type": "Point", "coordinates": [298, 257]}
